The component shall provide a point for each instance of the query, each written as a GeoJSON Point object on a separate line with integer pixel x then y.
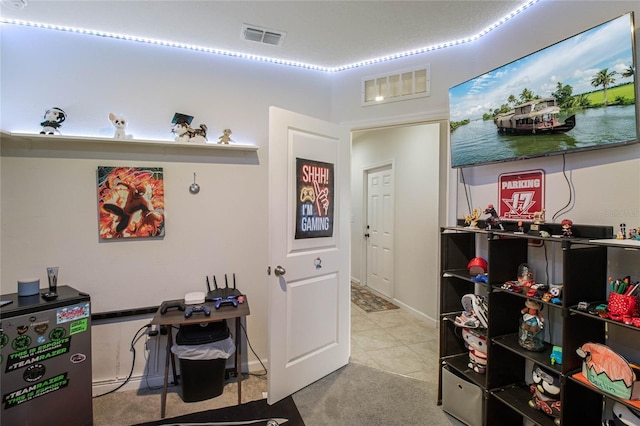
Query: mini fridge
{"type": "Point", "coordinates": [45, 358]}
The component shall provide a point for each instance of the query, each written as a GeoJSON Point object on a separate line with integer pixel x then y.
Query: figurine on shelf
{"type": "Point", "coordinates": [476, 342]}
{"type": "Point", "coordinates": [538, 217]}
{"type": "Point", "coordinates": [623, 416]}
{"type": "Point", "coordinates": [493, 221]}
{"type": "Point", "coordinates": [185, 133]}
{"type": "Point", "coordinates": [520, 228]}
{"type": "Point", "coordinates": [566, 228]}
{"type": "Point", "coordinates": [621, 233]}
{"type": "Point", "coordinates": [472, 219]}
{"type": "Point", "coordinates": [531, 333]}
{"type": "Point", "coordinates": [546, 392]}
{"type": "Point", "coordinates": [120, 124]}
{"type": "Point", "coordinates": [556, 355]}
{"type": "Point", "coordinates": [525, 275]}
{"type": "Point", "coordinates": [53, 119]}
{"type": "Point", "coordinates": [477, 266]}
{"type": "Point", "coordinates": [226, 137]}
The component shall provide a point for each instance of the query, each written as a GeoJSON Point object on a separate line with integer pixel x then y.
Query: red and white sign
{"type": "Point", "coordinates": [520, 194]}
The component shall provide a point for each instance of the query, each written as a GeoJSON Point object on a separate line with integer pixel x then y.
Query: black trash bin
{"type": "Point", "coordinates": [202, 350]}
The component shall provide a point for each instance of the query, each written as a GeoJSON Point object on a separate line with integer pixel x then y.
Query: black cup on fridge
{"type": "Point", "coordinates": [52, 275]}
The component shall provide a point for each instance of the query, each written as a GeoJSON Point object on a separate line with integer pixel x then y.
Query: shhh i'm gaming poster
{"type": "Point", "coordinates": [314, 205]}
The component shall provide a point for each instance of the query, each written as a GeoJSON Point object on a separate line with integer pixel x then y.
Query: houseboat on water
{"type": "Point", "coordinates": [538, 116]}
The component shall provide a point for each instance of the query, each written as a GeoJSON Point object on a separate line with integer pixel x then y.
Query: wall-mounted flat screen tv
{"type": "Point", "coordinates": [577, 94]}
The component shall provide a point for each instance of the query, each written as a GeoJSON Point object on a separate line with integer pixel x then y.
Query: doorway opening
{"type": "Point", "coordinates": [406, 268]}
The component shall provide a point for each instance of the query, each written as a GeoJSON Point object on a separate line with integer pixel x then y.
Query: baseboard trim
{"type": "Point", "coordinates": [406, 308]}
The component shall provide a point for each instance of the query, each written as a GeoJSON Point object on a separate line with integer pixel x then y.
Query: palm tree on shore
{"type": "Point", "coordinates": [604, 78]}
{"type": "Point", "coordinates": [526, 95]}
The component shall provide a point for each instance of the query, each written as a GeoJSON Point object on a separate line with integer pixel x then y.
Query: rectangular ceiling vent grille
{"type": "Point", "coordinates": [262, 35]}
{"type": "Point", "coordinates": [398, 86]}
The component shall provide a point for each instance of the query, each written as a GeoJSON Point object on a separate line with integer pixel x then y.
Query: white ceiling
{"type": "Point", "coordinates": [324, 33]}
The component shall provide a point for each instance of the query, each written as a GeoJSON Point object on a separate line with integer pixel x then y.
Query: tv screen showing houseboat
{"type": "Point", "coordinates": [577, 94]}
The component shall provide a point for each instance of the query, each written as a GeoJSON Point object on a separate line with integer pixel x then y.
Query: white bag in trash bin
{"type": "Point", "coordinates": [220, 349]}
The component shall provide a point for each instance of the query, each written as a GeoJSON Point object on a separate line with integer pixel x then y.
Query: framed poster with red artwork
{"type": "Point", "coordinates": [130, 202]}
{"type": "Point", "coordinates": [521, 194]}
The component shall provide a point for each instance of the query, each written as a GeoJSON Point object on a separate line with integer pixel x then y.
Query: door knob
{"type": "Point", "coordinates": [279, 271]}
{"type": "Point", "coordinates": [366, 235]}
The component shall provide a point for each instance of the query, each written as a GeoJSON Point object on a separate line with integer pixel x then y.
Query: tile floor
{"type": "Point", "coordinates": [395, 341]}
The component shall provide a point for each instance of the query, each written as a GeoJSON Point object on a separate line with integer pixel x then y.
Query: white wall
{"type": "Point", "coordinates": [49, 213]}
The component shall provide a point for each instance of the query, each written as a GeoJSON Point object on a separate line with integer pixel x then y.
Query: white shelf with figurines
{"type": "Point", "coordinates": [184, 135]}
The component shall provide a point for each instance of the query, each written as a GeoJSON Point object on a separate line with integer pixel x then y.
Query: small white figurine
{"type": "Point", "coordinates": [226, 137]}
{"type": "Point", "coordinates": [53, 119]}
{"type": "Point", "coordinates": [120, 123]}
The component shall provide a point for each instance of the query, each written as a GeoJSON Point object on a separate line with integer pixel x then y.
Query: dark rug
{"type": "Point", "coordinates": [369, 301]}
{"type": "Point", "coordinates": [255, 413]}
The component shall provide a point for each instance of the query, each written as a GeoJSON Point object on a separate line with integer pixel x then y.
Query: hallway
{"type": "Point", "coordinates": [394, 341]}
{"type": "Point", "coordinates": [397, 342]}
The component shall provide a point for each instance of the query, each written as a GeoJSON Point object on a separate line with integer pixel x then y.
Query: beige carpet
{"type": "Point", "coordinates": [358, 395]}
{"type": "Point", "coordinates": [355, 395]}
{"type": "Point", "coordinates": [139, 406]}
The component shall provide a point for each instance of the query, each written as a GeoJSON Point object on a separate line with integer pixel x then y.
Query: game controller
{"type": "Point", "coordinates": [229, 300]}
{"type": "Point", "coordinates": [172, 304]}
{"type": "Point", "coordinates": [307, 194]}
{"type": "Point", "coordinates": [201, 308]}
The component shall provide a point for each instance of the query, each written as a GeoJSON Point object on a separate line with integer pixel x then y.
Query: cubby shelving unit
{"type": "Point", "coordinates": [583, 262]}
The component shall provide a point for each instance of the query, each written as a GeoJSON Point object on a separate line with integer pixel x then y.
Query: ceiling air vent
{"type": "Point", "coordinates": [262, 35]}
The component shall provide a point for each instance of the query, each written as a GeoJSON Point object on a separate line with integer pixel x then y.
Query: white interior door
{"type": "Point", "coordinates": [380, 228]}
{"type": "Point", "coordinates": [309, 253]}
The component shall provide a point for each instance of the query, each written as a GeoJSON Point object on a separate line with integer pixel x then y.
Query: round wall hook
{"type": "Point", "coordinates": [194, 188]}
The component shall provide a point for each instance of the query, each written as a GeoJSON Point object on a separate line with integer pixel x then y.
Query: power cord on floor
{"type": "Point", "coordinates": [133, 362]}
{"type": "Point", "coordinates": [254, 353]}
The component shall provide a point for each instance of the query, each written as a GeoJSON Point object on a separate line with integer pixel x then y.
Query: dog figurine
{"type": "Point", "coordinates": [185, 133]}
{"type": "Point", "coordinates": [53, 119]}
{"type": "Point", "coordinates": [120, 123]}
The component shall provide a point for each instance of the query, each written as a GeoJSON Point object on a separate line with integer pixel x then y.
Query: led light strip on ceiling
{"type": "Point", "coordinates": [204, 49]}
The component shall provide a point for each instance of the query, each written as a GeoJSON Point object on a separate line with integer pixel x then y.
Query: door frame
{"type": "Point", "coordinates": [365, 214]}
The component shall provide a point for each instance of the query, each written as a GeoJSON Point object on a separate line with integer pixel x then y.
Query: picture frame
{"type": "Point", "coordinates": [130, 202]}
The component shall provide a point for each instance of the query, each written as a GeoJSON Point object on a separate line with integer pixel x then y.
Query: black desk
{"type": "Point", "coordinates": [176, 317]}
